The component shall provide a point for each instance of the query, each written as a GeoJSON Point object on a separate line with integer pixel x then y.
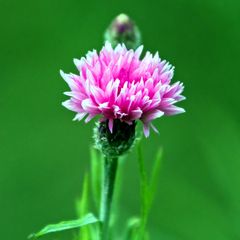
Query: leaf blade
{"type": "Point", "coordinates": [83, 208]}
{"type": "Point", "coordinates": [96, 176]}
{"type": "Point", "coordinates": [154, 176]}
{"type": "Point", "coordinates": [82, 204]}
{"type": "Point", "coordinates": [144, 188]}
{"type": "Point", "coordinates": [66, 225]}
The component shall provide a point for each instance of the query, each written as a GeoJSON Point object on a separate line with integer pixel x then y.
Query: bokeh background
{"type": "Point", "coordinates": [43, 154]}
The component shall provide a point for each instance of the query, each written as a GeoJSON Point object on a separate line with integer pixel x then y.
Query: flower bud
{"type": "Point", "coordinates": [116, 143]}
{"type": "Point", "coordinates": [123, 30]}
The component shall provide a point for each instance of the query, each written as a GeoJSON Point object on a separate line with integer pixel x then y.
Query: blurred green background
{"type": "Point", "coordinates": [43, 154]}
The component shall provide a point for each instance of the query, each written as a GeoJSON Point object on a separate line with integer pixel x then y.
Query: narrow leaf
{"type": "Point", "coordinates": [148, 189]}
{"type": "Point", "coordinates": [83, 208]}
{"type": "Point", "coordinates": [144, 193]}
{"type": "Point", "coordinates": [115, 223]}
{"type": "Point", "coordinates": [96, 176]}
{"type": "Point", "coordinates": [82, 203]}
{"type": "Point", "coordinates": [66, 225]}
{"type": "Point", "coordinates": [155, 176]}
{"type": "Point", "coordinates": [133, 225]}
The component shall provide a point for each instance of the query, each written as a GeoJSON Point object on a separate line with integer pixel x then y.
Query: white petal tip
{"type": "Point", "coordinates": [146, 130]}
{"type": "Point", "coordinates": [154, 129]}
{"type": "Point", "coordinates": [76, 61]}
{"type": "Point", "coordinates": [139, 50]}
{"type": "Point", "coordinates": [61, 73]}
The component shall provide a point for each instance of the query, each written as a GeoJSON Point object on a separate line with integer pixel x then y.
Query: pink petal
{"type": "Point", "coordinates": [146, 130]}
{"type": "Point", "coordinates": [173, 110]}
{"type": "Point", "coordinates": [79, 116]}
{"type": "Point", "coordinates": [110, 125]}
{"type": "Point", "coordinates": [153, 114]}
{"type": "Point", "coordinates": [89, 118]}
{"type": "Point", "coordinates": [89, 106]}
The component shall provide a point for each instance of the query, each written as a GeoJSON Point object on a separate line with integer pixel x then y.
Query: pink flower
{"type": "Point", "coordinates": [116, 84]}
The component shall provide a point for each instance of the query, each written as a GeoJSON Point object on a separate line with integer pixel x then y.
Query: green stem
{"type": "Point", "coordinates": [110, 170]}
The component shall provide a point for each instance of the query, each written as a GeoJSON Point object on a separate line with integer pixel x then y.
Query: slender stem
{"type": "Point", "coordinates": [110, 170]}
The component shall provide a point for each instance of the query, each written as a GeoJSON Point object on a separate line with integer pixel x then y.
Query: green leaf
{"type": "Point", "coordinates": [83, 208]}
{"type": "Point", "coordinates": [82, 203]}
{"type": "Point", "coordinates": [144, 188]}
{"type": "Point", "coordinates": [115, 223]}
{"type": "Point", "coordinates": [133, 225]}
{"type": "Point", "coordinates": [66, 225]}
{"type": "Point", "coordinates": [96, 176]}
{"type": "Point", "coordinates": [147, 189]}
{"type": "Point", "coordinates": [155, 176]}
{"type": "Point", "coordinates": [132, 232]}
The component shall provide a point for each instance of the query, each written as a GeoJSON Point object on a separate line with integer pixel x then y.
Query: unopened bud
{"type": "Point", "coordinates": [123, 30]}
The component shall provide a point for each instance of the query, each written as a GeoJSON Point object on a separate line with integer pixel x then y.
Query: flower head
{"type": "Point", "coordinates": [117, 84]}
